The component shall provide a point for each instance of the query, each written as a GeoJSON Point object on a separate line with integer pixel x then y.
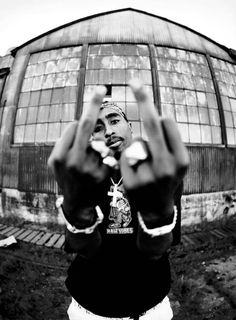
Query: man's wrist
{"type": "Point", "coordinates": [158, 218]}
{"type": "Point", "coordinates": [79, 217]}
{"type": "Point", "coordinates": [158, 230]}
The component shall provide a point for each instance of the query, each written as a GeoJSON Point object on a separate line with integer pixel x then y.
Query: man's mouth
{"type": "Point", "coordinates": [114, 143]}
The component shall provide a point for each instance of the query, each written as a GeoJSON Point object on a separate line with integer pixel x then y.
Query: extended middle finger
{"type": "Point", "coordinates": [149, 114]}
{"type": "Point", "coordinates": [87, 122]}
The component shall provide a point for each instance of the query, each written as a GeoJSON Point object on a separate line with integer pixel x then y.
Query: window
{"type": "Point", "coordinates": [187, 95]}
{"type": "Point", "coordinates": [114, 65]}
{"type": "Point", "coordinates": [3, 75]}
{"type": "Point", "coordinates": [226, 78]}
{"type": "Point", "coordinates": [48, 95]}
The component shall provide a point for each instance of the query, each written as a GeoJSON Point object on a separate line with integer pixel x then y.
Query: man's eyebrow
{"type": "Point", "coordinates": [112, 114]}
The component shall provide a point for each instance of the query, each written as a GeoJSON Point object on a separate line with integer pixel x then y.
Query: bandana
{"type": "Point", "coordinates": [115, 107]}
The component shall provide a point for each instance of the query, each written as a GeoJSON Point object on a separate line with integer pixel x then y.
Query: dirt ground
{"type": "Point", "coordinates": [32, 282]}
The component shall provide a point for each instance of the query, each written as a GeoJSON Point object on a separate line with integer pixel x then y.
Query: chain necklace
{"type": "Point", "coordinates": [115, 193]}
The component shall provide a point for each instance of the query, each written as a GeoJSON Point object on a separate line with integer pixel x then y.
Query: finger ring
{"type": "Point", "coordinates": [100, 146]}
{"type": "Point", "coordinates": [136, 152]}
{"type": "Point", "coordinates": [110, 161]}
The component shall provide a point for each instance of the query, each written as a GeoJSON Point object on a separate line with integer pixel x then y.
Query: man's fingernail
{"type": "Point", "coordinates": [101, 90]}
{"type": "Point", "coordinates": [135, 84]}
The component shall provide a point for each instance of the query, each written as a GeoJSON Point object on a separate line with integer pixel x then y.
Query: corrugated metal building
{"type": "Point", "coordinates": [45, 82]}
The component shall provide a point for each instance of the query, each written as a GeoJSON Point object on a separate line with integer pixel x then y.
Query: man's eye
{"type": "Point", "coordinates": [98, 129]}
{"type": "Point", "coordinates": [115, 121]}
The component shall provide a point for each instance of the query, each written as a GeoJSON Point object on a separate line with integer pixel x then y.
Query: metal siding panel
{"type": "Point", "coordinates": [126, 26]}
{"type": "Point", "coordinates": [34, 174]}
{"type": "Point", "coordinates": [211, 169]}
{"type": "Point", "coordinates": [10, 168]}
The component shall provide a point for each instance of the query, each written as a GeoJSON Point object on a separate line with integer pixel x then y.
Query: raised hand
{"type": "Point", "coordinates": [150, 183]}
{"type": "Point", "coordinates": [78, 168]}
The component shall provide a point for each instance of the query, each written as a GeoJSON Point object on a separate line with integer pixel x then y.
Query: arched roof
{"type": "Point", "coordinates": [126, 25]}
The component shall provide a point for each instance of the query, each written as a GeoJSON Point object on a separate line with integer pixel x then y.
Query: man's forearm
{"type": "Point", "coordinates": [81, 240]}
{"type": "Point", "coordinates": [148, 240]}
{"type": "Point", "coordinates": [84, 244]}
{"type": "Point", "coordinates": [153, 247]}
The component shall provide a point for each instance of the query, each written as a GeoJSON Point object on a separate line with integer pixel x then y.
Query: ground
{"type": "Point", "coordinates": [203, 281]}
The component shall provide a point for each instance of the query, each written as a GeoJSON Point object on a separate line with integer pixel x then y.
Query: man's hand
{"type": "Point", "coordinates": [151, 183]}
{"type": "Point", "coordinates": [78, 169]}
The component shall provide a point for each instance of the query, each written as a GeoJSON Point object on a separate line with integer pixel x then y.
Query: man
{"type": "Point", "coordinates": [119, 204]}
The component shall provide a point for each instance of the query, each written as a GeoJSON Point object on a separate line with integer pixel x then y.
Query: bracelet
{"type": "Point", "coordinates": [73, 229]}
{"type": "Point", "coordinates": [160, 231]}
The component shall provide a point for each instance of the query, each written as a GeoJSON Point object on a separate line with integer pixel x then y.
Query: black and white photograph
{"type": "Point", "coordinates": [117, 160]}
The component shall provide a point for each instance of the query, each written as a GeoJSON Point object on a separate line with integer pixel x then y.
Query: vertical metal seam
{"type": "Point", "coordinates": [81, 82]}
{"type": "Point", "coordinates": [155, 78]}
{"type": "Point", "coordinates": [219, 101]}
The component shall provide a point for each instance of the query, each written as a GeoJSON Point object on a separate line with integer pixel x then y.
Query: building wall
{"type": "Point", "coordinates": [52, 77]}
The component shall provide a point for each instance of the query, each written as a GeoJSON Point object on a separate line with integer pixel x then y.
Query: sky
{"type": "Point", "coordinates": [22, 20]}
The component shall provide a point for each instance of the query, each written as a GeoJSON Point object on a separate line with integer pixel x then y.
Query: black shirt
{"type": "Point", "coordinates": [119, 281]}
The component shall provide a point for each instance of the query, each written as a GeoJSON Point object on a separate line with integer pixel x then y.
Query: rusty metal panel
{"type": "Point", "coordinates": [211, 169]}
{"type": "Point", "coordinates": [9, 169]}
{"type": "Point", "coordinates": [127, 25]}
{"type": "Point", "coordinates": [34, 174]}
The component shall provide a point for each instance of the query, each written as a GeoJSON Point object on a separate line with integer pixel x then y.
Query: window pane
{"type": "Point", "coordinates": [233, 104]}
{"type": "Point", "coordinates": [193, 114]}
{"type": "Point", "coordinates": [53, 132]}
{"type": "Point", "coordinates": [132, 111]}
{"type": "Point", "coordinates": [168, 110]}
{"type": "Point", "coordinates": [179, 96]}
{"type": "Point", "coordinates": [55, 113]}
{"type": "Point", "coordinates": [181, 113]}
{"type": "Point", "coordinates": [68, 112]}
{"type": "Point", "coordinates": [72, 78]}
{"type": "Point", "coordinates": [92, 77]}
{"type": "Point", "coordinates": [131, 73]}
{"type": "Point", "coordinates": [32, 115]}
{"type": "Point", "coordinates": [184, 131]}
{"type": "Point", "coordinates": [129, 95]}
{"type": "Point", "coordinates": [136, 128]}
{"type": "Point", "coordinates": [45, 97]}
{"type": "Point", "coordinates": [225, 103]}
{"type": "Point", "coordinates": [57, 95]}
{"type": "Point", "coordinates": [43, 114]}
{"type": "Point", "coordinates": [166, 95]}
{"type": "Point", "coordinates": [61, 65]}
{"type": "Point", "coordinates": [191, 98]}
{"type": "Point", "coordinates": [201, 99]}
{"type": "Point", "coordinates": [118, 93]}
{"type": "Point", "coordinates": [29, 133]}
{"type": "Point", "coordinates": [206, 134]}
{"type": "Point", "coordinates": [228, 119]}
{"type": "Point", "coordinates": [41, 132]}
{"type": "Point", "coordinates": [34, 98]}
{"type": "Point", "coordinates": [118, 76]}
{"type": "Point", "coordinates": [216, 135]}
{"type": "Point", "coordinates": [70, 94]}
{"type": "Point", "coordinates": [19, 134]}
{"type": "Point", "coordinates": [214, 117]}
{"type": "Point", "coordinates": [194, 133]}
{"type": "Point", "coordinates": [118, 62]}
{"type": "Point", "coordinates": [204, 115]}
{"type": "Point", "coordinates": [21, 116]}
{"type": "Point", "coordinates": [24, 99]}
{"type": "Point", "coordinates": [211, 100]}
{"type": "Point", "coordinates": [230, 135]}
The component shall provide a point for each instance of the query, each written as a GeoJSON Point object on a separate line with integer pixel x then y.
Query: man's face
{"type": "Point", "coordinates": [112, 128]}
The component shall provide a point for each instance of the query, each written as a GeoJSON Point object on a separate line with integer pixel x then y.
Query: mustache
{"type": "Point", "coordinates": [113, 139]}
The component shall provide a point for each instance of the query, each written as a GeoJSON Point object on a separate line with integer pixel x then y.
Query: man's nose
{"type": "Point", "coordinates": [108, 131]}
